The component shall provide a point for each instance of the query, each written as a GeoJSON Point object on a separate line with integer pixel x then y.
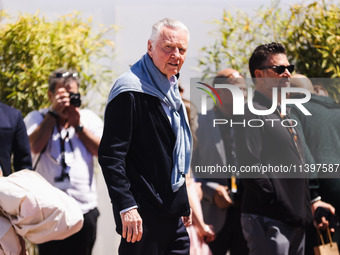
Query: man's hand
{"type": "Point", "coordinates": [324, 222]}
{"type": "Point", "coordinates": [132, 226]}
{"type": "Point", "coordinates": [73, 116]}
{"type": "Point", "coordinates": [187, 220]}
{"type": "Point", "coordinates": [60, 101]}
{"type": "Point", "coordinates": [206, 232]}
{"type": "Point", "coordinates": [221, 197]}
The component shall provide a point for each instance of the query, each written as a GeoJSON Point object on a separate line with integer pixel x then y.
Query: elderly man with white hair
{"type": "Point", "coordinates": [145, 149]}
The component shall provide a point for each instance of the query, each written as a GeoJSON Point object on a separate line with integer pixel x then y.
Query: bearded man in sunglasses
{"type": "Point", "coordinates": [274, 210]}
{"type": "Point", "coordinates": [63, 140]}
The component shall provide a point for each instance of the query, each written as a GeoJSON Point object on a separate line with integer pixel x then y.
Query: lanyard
{"type": "Point", "coordinates": [292, 132]}
{"type": "Point", "coordinates": [64, 173]}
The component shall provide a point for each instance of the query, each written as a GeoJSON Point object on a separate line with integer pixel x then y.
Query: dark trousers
{"type": "Point", "coordinates": [267, 236]}
{"type": "Point", "coordinates": [81, 243]}
{"type": "Point", "coordinates": [230, 237]}
{"type": "Point", "coordinates": [160, 236]}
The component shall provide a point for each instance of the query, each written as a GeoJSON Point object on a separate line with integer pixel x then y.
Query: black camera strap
{"type": "Point", "coordinates": [64, 174]}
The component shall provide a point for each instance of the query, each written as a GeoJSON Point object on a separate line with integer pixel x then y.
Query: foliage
{"type": "Point", "coordinates": [313, 42]}
{"type": "Point", "coordinates": [238, 35]}
{"type": "Point", "coordinates": [310, 33]}
{"type": "Point", "coordinates": [32, 47]}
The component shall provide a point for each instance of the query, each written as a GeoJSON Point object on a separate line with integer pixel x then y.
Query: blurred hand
{"type": "Point", "coordinates": [221, 197]}
{"type": "Point", "coordinates": [73, 116]}
{"type": "Point", "coordinates": [132, 226]}
{"type": "Point", "coordinates": [60, 101]}
{"type": "Point", "coordinates": [207, 233]}
{"type": "Point", "coordinates": [187, 220]}
{"type": "Point", "coordinates": [324, 224]}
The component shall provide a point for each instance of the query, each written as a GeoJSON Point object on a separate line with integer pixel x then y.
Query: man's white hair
{"type": "Point", "coordinates": [167, 22]}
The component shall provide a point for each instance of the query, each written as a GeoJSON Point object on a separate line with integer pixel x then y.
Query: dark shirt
{"type": "Point", "coordinates": [13, 141]}
{"type": "Point", "coordinates": [135, 154]}
{"type": "Point", "coordinates": [284, 199]}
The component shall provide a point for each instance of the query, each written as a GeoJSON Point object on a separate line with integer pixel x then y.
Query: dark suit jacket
{"type": "Point", "coordinates": [13, 140]}
{"type": "Point", "coordinates": [135, 154]}
{"type": "Point", "coordinates": [284, 199]}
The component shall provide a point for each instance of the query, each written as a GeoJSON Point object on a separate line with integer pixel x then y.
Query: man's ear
{"type": "Point", "coordinates": [150, 48]}
{"type": "Point", "coordinates": [258, 73]}
{"type": "Point", "coordinates": [50, 95]}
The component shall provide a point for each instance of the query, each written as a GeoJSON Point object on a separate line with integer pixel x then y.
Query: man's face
{"type": "Point", "coordinates": [61, 87]}
{"type": "Point", "coordinates": [270, 77]}
{"type": "Point", "coordinates": [69, 85]}
{"type": "Point", "coordinates": [169, 50]}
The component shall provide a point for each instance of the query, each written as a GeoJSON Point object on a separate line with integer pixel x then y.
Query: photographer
{"type": "Point", "coordinates": [64, 139]}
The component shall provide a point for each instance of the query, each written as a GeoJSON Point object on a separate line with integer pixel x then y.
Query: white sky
{"type": "Point", "coordinates": [135, 19]}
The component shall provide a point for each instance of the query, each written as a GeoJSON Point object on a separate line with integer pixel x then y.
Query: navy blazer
{"type": "Point", "coordinates": [135, 154]}
{"type": "Point", "coordinates": [13, 141]}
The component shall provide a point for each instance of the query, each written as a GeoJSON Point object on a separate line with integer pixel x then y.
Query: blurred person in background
{"type": "Point", "coordinates": [216, 145]}
{"type": "Point", "coordinates": [64, 140]}
{"type": "Point", "coordinates": [200, 233]}
{"type": "Point", "coordinates": [320, 136]}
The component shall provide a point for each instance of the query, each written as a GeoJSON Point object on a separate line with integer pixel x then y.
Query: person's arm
{"type": "Point", "coordinates": [40, 136]}
{"type": "Point", "coordinates": [21, 147]}
{"type": "Point", "coordinates": [90, 141]}
{"type": "Point", "coordinates": [119, 123]}
{"type": "Point", "coordinates": [216, 193]}
{"type": "Point", "coordinates": [204, 230]}
{"type": "Point", "coordinates": [88, 138]}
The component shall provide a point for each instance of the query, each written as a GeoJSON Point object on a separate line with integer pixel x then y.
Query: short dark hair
{"type": "Point", "coordinates": [261, 54]}
{"type": "Point", "coordinates": [53, 79]}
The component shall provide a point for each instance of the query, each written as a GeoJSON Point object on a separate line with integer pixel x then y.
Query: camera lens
{"type": "Point", "coordinates": [75, 99]}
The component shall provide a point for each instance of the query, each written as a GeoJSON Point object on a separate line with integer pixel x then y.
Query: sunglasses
{"type": "Point", "coordinates": [279, 69]}
{"type": "Point", "coordinates": [66, 74]}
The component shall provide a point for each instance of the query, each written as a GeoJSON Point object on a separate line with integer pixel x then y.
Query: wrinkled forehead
{"type": "Point", "coordinates": [173, 36]}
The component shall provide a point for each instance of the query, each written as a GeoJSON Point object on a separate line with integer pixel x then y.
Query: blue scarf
{"type": "Point", "coordinates": [145, 77]}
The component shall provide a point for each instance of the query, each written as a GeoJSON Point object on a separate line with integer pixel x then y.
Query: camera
{"type": "Point", "coordinates": [75, 99]}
